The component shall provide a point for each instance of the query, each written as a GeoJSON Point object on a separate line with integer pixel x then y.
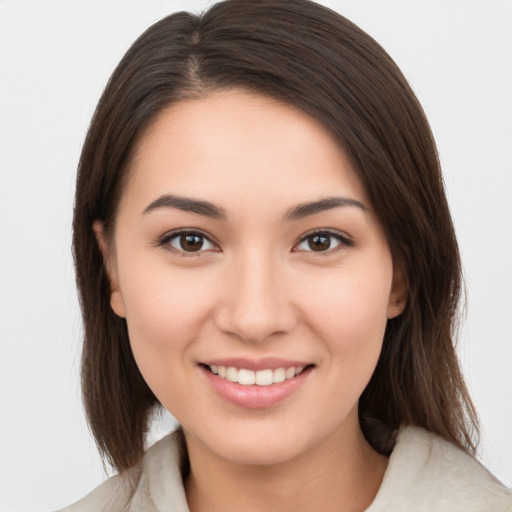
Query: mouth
{"type": "Point", "coordinates": [246, 377]}
{"type": "Point", "coordinates": [266, 384]}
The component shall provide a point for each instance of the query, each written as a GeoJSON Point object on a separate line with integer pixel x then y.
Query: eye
{"type": "Point", "coordinates": [322, 241]}
{"type": "Point", "coordinates": [187, 242]}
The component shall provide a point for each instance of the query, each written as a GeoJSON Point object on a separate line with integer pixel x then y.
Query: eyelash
{"type": "Point", "coordinates": [344, 241]}
{"type": "Point", "coordinates": [165, 242]}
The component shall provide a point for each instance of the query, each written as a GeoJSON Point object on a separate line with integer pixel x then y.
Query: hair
{"type": "Point", "coordinates": [310, 57]}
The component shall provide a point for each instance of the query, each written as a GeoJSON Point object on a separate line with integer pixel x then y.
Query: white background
{"type": "Point", "coordinates": [55, 58]}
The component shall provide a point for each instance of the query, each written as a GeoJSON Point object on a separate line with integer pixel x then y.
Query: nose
{"type": "Point", "coordinates": [256, 302]}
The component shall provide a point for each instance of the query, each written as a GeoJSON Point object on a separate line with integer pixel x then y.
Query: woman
{"type": "Point", "coordinates": [263, 247]}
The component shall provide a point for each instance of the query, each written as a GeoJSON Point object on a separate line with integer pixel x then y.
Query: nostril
{"type": "Point", "coordinates": [256, 322]}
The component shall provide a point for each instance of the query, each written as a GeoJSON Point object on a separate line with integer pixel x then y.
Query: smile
{"type": "Point", "coordinates": [256, 384]}
{"type": "Point", "coordinates": [247, 377]}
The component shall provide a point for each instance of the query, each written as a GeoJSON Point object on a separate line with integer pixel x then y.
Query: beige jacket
{"type": "Point", "coordinates": [424, 474]}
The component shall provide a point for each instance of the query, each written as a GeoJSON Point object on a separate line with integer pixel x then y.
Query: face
{"type": "Point", "coordinates": [255, 279]}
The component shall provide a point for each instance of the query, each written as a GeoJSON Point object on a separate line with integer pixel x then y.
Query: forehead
{"type": "Point", "coordinates": [234, 143]}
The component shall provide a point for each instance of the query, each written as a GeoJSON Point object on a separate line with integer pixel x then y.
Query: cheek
{"type": "Point", "coordinates": [350, 320]}
{"type": "Point", "coordinates": [165, 301]}
{"type": "Point", "coordinates": [349, 312]}
{"type": "Point", "coordinates": [165, 312]}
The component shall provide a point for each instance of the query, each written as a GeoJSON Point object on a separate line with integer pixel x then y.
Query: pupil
{"type": "Point", "coordinates": [319, 242]}
{"type": "Point", "coordinates": [191, 243]}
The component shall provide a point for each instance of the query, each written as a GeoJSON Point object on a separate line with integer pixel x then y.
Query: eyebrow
{"type": "Point", "coordinates": [188, 204]}
{"type": "Point", "coordinates": [306, 209]}
{"type": "Point", "coordinates": [207, 209]}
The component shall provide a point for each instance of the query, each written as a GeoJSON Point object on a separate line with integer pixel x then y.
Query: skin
{"type": "Point", "coordinates": [255, 289]}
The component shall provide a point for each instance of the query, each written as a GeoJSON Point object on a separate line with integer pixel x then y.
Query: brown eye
{"type": "Point", "coordinates": [319, 242]}
{"type": "Point", "coordinates": [191, 243]}
{"type": "Point", "coordinates": [187, 242]}
{"type": "Point", "coordinates": [322, 241]}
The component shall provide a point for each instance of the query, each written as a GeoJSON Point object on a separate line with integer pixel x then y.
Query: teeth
{"type": "Point", "coordinates": [279, 375]}
{"type": "Point", "coordinates": [264, 377]}
{"type": "Point", "coordinates": [260, 377]}
{"type": "Point", "coordinates": [232, 374]}
{"type": "Point", "coordinates": [246, 377]}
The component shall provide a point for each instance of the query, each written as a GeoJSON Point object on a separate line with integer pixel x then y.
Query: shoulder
{"type": "Point", "coordinates": [113, 490]}
{"type": "Point", "coordinates": [155, 484]}
{"type": "Point", "coordinates": [427, 473]}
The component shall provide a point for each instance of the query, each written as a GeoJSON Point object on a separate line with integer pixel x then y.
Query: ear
{"type": "Point", "coordinates": [398, 295]}
{"type": "Point", "coordinates": [106, 249]}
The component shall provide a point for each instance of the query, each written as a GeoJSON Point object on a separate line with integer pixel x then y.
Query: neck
{"type": "Point", "coordinates": [345, 479]}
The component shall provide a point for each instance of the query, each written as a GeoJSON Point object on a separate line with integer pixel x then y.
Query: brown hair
{"type": "Point", "coordinates": [315, 59]}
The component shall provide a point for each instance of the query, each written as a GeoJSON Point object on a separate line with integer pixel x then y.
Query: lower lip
{"type": "Point", "coordinates": [255, 397]}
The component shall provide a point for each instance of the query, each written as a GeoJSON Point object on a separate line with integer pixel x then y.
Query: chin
{"type": "Point", "coordinates": [261, 444]}
{"type": "Point", "coordinates": [260, 454]}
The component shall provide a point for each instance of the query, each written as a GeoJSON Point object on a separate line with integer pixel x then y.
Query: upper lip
{"type": "Point", "coordinates": [265, 363]}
